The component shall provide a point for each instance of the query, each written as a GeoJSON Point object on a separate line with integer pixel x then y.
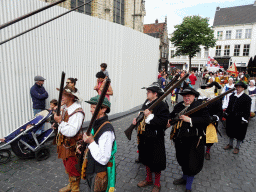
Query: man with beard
{"type": "Point", "coordinates": [188, 136]}
{"type": "Point", "coordinates": [151, 133]}
{"type": "Point", "coordinates": [237, 115]}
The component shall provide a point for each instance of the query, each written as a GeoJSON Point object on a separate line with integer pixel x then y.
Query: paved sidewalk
{"type": "Point", "coordinates": [224, 172]}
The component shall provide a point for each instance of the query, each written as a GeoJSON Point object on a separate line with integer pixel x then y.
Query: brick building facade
{"type": "Point", "coordinates": [129, 13]}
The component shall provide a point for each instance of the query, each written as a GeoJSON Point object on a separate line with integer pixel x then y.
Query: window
{"type": "Point", "coordinates": [218, 50]}
{"type": "Point", "coordinates": [184, 57]}
{"type": "Point", "coordinates": [248, 33]}
{"type": "Point", "coordinates": [118, 12]}
{"type": "Point", "coordinates": [237, 50]}
{"type": "Point", "coordinates": [84, 9]}
{"type": "Point", "coordinates": [246, 49]}
{"type": "Point", "coordinates": [228, 34]}
{"type": "Point", "coordinates": [227, 50]}
{"type": "Point", "coordinates": [219, 35]}
{"type": "Point", "coordinates": [172, 53]}
{"type": "Point", "coordinates": [206, 53]}
{"type": "Point", "coordinates": [198, 54]}
{"type": "Point", "coordinates": [239, 34]}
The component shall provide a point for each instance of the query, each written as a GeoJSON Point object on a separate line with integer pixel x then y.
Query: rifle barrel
{"type": "Point", "coordinates": [5, 41]}
{"type": "Point", "coordinates": [128, 132]}
{"type": "Point", "coordinates": [209, 102]}
{"type": "Point", "coordinates": [172, 82]}
{"type": "Point", "coordinates": [168, 92]}
{"type": "Point", "coordinates": [30, 14]}
{"type": "Point", "coordinates": [61, 92]}
{"type": "Point", "coordinates": [98, 106]}
{"type": "Point", "coordinates": [176, 118]}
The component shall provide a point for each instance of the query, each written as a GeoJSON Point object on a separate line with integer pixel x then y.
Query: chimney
{"type": "Point", "coordinates": [218, 8]}
{"type": "Point", "coordinates": [156, 22]}
{"type": "Point", "coordinates": [166, 19]}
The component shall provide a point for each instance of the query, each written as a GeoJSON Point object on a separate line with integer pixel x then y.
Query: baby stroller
{"type": "Point", "coordinates": [24, 141]}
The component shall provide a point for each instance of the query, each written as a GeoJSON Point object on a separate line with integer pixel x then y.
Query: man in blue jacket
{"type": "Point", "coordinates": [38, 95]}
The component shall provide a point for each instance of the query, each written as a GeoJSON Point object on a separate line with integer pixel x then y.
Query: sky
{"type": "Point", "coordinates": [176, 10]}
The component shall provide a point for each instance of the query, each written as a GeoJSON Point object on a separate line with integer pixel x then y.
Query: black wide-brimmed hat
{"type": "Point", "coordinates": [242, 84]}
{"type": "Point", "coordinates": [155, 88]}
{"type": "Point", "coordinates": [217, 85]}
{"type": "Point", "coordinates": [191, 91]}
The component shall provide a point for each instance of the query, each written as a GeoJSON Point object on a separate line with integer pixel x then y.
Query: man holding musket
{"type": "Point", "coordinates": [188, 136]}
{"type": "Point", "coordinates": [237, 115]}
{"type": "Point", "coordinates": [151, 133]}
{"type": "Point", "coordinates": [99, 162]}
{"type": "Point", "coordinates": [70, 123]}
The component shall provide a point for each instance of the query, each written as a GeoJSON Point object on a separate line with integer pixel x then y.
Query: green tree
{"type": "Point", "coordinates": [190, 34]}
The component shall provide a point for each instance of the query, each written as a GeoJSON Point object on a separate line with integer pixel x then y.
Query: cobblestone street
{"type": "Point", "coordinates": [224, 172]}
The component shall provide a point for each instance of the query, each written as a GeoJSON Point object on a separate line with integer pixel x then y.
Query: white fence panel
{"type": "Point", "coordinates": [76, 44]}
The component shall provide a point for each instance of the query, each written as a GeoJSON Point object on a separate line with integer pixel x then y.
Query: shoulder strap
{"type": "Point", "coordinates": [76, 111]}
{"type": "Point", "coordinates": [101, 127]}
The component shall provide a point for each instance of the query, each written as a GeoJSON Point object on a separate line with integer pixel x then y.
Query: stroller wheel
{"type": "Point", "coordinates": [42, 154]}
{"type": "Point", "coordinates": [5, 156]}
{"type": "Point", "coordinates": [21, 150]}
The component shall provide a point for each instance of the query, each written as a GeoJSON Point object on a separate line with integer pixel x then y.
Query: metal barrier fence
{"type": "Point", "coordinates": [77, 44]}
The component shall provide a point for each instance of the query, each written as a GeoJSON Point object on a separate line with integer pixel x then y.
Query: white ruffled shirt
{"type": "Point", "coordinates": [71, 128]}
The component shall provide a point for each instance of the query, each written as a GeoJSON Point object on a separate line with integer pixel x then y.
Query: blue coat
{"type": "Point", "coordinates": [38, 95]}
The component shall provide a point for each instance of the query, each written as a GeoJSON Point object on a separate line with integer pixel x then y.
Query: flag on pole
{"type": "Point", "coordinates": [233, 70]}
{"type": "Point", "coordinates": [212, 62]}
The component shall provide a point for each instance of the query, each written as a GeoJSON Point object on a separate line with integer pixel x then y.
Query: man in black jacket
{"type": "Point", "coordinates": [38, 95]}
{"type": "Point", "coordinates": [151, 137]}
{"type": "Point", "coordinates": [237, 115]}
{"type": "Point", "coordinates": [189, 136]}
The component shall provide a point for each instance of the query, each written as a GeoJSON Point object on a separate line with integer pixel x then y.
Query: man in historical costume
{"type": "Point", "coordinates": [237, 115]}
{"type": "Point", "coordinates": [215, 112]}
{"type": "Point", "coordinates": [70, 123]}
{"type": "Point", "coordinates": [151, 133]}
{"type": "Point", "coordinates": [188, 136]}
{"type": "Point", "coordinates": [99, 167]}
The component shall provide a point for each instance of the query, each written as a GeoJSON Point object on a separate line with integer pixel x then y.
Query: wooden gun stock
{"type": "Point", "coordinates": [128, 132]}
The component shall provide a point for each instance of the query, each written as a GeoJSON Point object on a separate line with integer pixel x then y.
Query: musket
{"type": "Point", "coordinates": [174, 79]}
{"type": "Point", "coordinates": [88, 132]}
{"type": "Point", "coordinates": [55, 124]}
{"type": "Point", "coordinates": [203, 105]}
{"type": "Point", "coordinates": [61, 92]}
{"type": "Point", "coordinates": [128, 131]}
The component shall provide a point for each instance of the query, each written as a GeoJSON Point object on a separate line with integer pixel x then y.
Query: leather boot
{"type": "Point", "coordinates": [67, 188]}
{"type": "Point", "coordinates": [75, 182]}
